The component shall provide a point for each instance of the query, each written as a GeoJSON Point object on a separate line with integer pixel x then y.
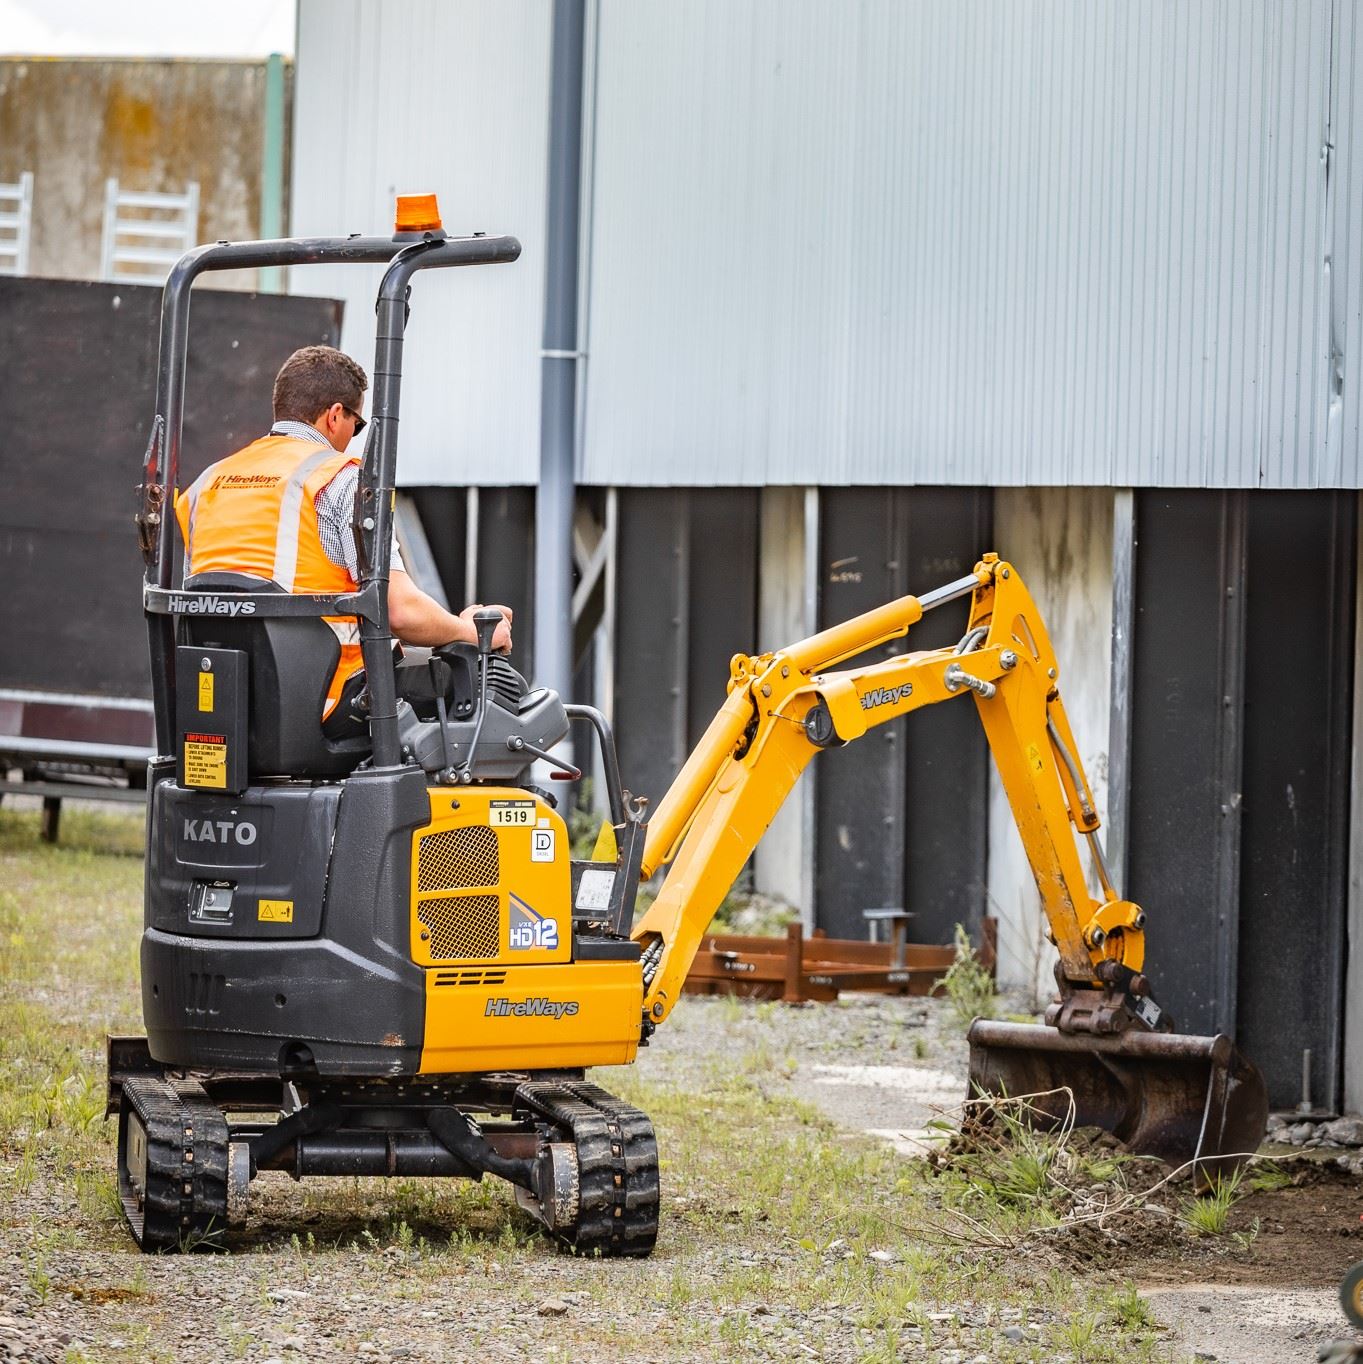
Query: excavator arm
{"type": "Point", "coordinates": [1108, 1056]}
{"type": "Point", "coordinates": [782, 708]}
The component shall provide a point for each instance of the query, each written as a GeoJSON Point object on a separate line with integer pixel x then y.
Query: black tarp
{"type": "Point", "coordinates": [77, 382]}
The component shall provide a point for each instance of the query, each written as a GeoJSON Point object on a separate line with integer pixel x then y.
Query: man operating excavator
{"type": "Point", "coordinates": [281, 511]}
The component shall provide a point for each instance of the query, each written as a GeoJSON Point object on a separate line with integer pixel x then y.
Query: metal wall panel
{"type": "Point", "coordinates": [1239, 817]}
{"type": "Point", "coordinates": [902, 814]}
{"type": "Point", "coordinates": [1183, 831]}
{"type": "Point", "coordinates": [449, 96]}
{"type": "Point", "coordinates": [888, 243]}
{"type": "Point", "coordinates": [1294, 849]}
{"type": "Point", "coordinates": [687, 602]}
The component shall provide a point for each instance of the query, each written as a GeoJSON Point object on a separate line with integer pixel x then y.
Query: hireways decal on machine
{"type": "Point", "coordinates": [531, 929]}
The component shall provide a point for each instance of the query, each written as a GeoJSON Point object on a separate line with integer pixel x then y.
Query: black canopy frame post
{"type": "Point", "coordinates": [374, 510]}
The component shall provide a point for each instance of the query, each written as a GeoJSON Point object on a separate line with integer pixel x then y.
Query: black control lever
{"type": "Point", "coordinates": [439, 671]}
{"type": "Point", "coordinates": [485, 622]}
{"type": "Point", "coordinates": [567, 771]}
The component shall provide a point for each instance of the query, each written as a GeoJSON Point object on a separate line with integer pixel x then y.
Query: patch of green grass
{"type": "Point", "coordinates": [1131, 1311]}
{"type": "Point", "coordinates": [1207, 1214]}
{"type": "Point", "coordinates": [70, 919]}
{"type": "Point", "coordinates": [1266, 1177]}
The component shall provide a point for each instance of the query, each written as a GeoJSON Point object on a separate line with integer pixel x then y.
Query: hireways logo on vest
{"type": "Point", "coordinates": [210, 606]}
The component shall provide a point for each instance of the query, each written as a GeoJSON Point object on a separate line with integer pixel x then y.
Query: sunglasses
{"type": "Point", "coordinates": [360, 422]}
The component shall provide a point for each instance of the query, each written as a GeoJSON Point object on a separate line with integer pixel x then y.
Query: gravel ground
{"type": "Point", "coordinates": [881, 1064]}
{"type": "Point", "coordinates": [886, 1066]}
{"type": "Point", "coordinates": [505, 1294]}
{"type": "Point", "coordinates": [379, 1271]}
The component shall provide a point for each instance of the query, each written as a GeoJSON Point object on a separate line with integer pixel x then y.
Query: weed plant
{"type": "Point", "coordinates": [967, 985]}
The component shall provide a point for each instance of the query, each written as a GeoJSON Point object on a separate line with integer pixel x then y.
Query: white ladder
{"type": "Point", "coordinates": [146, 233]}
{"type": "Point", "coordinates": [16, 217]}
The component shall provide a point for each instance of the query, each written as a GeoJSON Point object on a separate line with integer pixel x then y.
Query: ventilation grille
{"type": "Point", "coordinates": [458, 858]}
{"type": "Point", "coordinates": [474, 977]}
{"type": "Point", "coordinates": [462, 927]}
{"type": "Point", "coordinates": [505, 683]}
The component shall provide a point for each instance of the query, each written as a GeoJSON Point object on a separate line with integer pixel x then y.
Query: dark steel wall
{"type": "Point", "coordinates": [506, 553]}
{"type": "Point", "coordinates": [1242, 684]}
{"type": "Point", "coordinates": [686, 603]}
{"type": "Point", "coordinates": [78, 367]}
{"type": "Point", "coordinates": [902, 813]}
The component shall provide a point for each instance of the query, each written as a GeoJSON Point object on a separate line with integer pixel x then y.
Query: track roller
{"type": "Point", "coordinates": [172, 1165]}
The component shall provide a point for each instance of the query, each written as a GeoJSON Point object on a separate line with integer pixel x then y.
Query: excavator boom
{"type": "Point", "coordinates": [1106, 1047]}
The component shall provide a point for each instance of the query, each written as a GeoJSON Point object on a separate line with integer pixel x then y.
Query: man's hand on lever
{"type": "Point", "coordinates": [501, 639]}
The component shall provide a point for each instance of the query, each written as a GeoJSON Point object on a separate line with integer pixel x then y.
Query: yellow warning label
{"type": "Point", "coordinates": [205, 691]}
{"type": "Point", "coordinates": [276, 912]}
{"type": "Point", "coordinates": [206, 760]}
{"type": "Point", "coordinates": [1034, 757]}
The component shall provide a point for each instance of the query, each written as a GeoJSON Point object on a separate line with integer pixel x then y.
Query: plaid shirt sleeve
{"type": "Point", "coordinates": [335, 506]}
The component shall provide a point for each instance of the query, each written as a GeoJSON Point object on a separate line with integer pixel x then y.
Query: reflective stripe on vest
{"type": "Point", "coordinates": [254, 513]}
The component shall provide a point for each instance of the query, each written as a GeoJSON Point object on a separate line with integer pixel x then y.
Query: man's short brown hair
{"type": "Point", "coordinates": [313, 378]}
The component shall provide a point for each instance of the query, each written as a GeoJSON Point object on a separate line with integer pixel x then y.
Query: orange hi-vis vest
{"type": "Point", "coordinates": [254, 513]}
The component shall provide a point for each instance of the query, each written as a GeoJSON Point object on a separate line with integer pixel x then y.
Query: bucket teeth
{"type": "Point", "coordinates": [1187, 1100]}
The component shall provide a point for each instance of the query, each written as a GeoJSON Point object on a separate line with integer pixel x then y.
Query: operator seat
{"type": "Point", "coordinates": [292, 659]}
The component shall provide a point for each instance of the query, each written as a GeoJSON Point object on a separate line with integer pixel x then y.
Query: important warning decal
{"type": "Point", "coordinates": [275, 912]}
{"type": "Point", "coordinates": [206, 760]}
{"type": "Point", "coordinates": [530, 929]}
{"type": "Point", "coordinates": [513, 813]}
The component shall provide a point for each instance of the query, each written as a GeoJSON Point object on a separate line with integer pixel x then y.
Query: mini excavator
{"type": "Point", "coordinates": [377, 955]}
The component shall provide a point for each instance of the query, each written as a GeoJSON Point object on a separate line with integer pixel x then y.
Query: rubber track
{"type": "Point", "coordinates": [617, 1157]}
{"type": "Point", "coordinates": [185, 1203]}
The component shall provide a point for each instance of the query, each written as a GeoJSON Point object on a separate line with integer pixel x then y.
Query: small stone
{"type": "Point", "coordinates": [1344, 1131]}
{"type": "Point", "coordinates": [761, 1310]}
{"type": "Point", "coordinates": [553, 1307]}
{"type": "Point", "coordinates": [941, 1316]}
{"type": "Point", "coordinates": [884, 1257]}
{"type": "Point", "coordinates": [1204, 1354]}
{"type": "Point", "coordinates": [1299, 1133]}
{"type": "Point", "coordinates": [1013, 1333]}
{"type": "Point", "coordinates": [1276, 1120]}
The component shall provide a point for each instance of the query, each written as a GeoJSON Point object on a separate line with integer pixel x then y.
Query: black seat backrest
{"type": "Point", "coordinates": [292, 660]}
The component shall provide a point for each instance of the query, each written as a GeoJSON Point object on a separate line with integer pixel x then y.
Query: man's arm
{"type": "Point", "coordinates": [416, 618]}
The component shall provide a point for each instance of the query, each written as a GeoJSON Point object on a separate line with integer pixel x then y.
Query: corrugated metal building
{"type": "Point", "coordinates": [867, 289]}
